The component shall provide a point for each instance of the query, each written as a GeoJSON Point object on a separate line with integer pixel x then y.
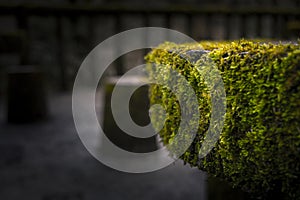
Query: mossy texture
{"type": "Point", "coordinates": [259, 146]}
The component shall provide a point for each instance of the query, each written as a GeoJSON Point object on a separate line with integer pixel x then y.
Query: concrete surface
{"type": "Point", "coordinates": [47, 161]}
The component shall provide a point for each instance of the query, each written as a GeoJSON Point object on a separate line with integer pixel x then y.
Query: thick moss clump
{"type": "Point", "coordinates": [259, 147]}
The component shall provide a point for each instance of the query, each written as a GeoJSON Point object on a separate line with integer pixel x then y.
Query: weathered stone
{"type": "Point", "coordinates": [139, 106]}
{"type": "Point", "coordinates": [26, 95]}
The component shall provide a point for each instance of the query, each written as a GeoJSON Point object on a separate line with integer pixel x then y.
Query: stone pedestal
{"type": "Point", "coordinates": [139, 109]}
{"type": "Point", "coordinates": [26, 95]}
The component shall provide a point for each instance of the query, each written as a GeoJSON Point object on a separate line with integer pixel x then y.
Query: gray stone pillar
{"type": "Point", "coordinates": [26, 95]}
{"type": "Point", "coordinates": [139, 108]}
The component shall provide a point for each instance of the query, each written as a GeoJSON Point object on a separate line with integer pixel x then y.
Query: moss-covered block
{"type": "Point", "coordinates": [259, 147]}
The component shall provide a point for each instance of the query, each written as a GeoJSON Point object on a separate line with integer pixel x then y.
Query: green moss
{"type": "Point", "coordinates": [259, 148]}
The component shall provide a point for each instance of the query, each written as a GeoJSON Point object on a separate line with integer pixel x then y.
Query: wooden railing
{"type": "Point", "coordinates": [218, 22]}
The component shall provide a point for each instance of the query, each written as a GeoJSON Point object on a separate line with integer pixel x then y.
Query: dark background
{"type": "Point", "coordinates": [57, 35]}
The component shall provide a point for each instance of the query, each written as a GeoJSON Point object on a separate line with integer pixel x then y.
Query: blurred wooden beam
{"type": "Point", "coordinates": [41, 10]}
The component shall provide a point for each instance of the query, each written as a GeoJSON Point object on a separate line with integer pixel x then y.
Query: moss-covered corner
{"type": "Point", "coordinates": [259, 147]}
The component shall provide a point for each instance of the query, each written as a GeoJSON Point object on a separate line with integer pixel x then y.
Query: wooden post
{"type": "Point", "coordinates": [119, 67]}
{"type": "Point", "coordinates": [61, 53]}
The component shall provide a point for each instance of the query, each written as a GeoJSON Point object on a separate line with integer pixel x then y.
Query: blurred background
{"type": "Point", "coordinates": [43, 43]}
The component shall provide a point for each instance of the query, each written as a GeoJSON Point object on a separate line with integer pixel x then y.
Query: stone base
{"type": "Point", "coordinates": [139, 108]}
{"type": "Point", "coordinates": [26, 96]}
